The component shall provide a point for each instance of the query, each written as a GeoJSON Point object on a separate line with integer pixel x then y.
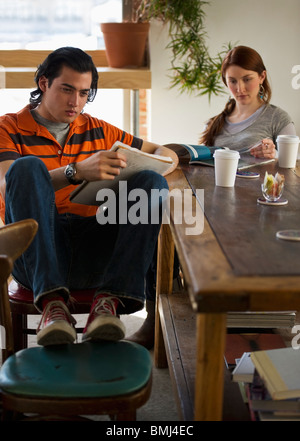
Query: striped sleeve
{"type": "Point", "coordinates": [8, 145]}
{"type": "Point", "coordinates": [111, 134]}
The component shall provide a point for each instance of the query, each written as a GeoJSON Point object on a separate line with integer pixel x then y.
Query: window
{"type": "Point", "coordinates": [44, 24]}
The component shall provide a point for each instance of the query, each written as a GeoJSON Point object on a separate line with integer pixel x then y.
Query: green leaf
{"type": "Point", "coordinates": [193, 70]}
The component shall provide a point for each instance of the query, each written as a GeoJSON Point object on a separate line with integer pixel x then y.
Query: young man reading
{"type": "Point", "coordinates": [47, 149]}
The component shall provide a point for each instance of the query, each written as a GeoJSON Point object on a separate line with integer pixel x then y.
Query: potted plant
{"type": "Point", "coordinates": [192, 67]}
{"type": "Point", "coordinates": [126, 42]}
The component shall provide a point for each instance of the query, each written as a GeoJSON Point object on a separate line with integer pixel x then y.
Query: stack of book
{"type": "Point", "coordinates": [272, 383]}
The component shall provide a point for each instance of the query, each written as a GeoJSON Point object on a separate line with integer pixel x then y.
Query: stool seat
{"type": "Point", "coordinates": [91, 378]}
{"type": "Point", "coordinates": [90, 369]}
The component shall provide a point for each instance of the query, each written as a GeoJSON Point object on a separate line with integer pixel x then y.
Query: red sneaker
{"type": "Point", "coordinates": [56, 325]}
{"type": "Point", "coordinates": [103, 322]}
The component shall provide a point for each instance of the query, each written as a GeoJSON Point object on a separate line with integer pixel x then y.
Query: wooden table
{"type": "Point", "coordinates": [236, 264]}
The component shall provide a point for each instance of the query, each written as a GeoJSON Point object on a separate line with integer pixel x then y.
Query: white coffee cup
{"type": "Point", "coordinates": [226, 163]}
{"type": "Point", "coordinates": [287, 150]}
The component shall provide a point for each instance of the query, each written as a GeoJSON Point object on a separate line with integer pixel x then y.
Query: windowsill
{"type": "Point", "coordinates": [109, 78]}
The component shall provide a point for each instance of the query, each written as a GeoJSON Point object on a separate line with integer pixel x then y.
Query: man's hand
{"type": "Point", "coordinates": [107, 164]}
{"type": "Point", "coordinates": [101, 165]}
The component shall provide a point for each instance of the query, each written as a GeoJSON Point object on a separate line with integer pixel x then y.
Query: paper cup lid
{"type": "Point", "coordinates": [226, 154]}
{"type": "Point", "coordinates": [287, 138]}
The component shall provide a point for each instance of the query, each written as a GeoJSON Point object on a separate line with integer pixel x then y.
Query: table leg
{"type": "Point", "coordinates": [209, 384]}
{"type": "Point", "coordinates": [164, 285]}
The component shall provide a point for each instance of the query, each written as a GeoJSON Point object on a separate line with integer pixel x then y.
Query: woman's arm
{"type": "Point", "coordinates": [290, 129]}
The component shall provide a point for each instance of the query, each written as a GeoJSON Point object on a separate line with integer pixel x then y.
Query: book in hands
{"type": "Point", "coordinates": [203, 155]}
{"type": "Point", "coordinates": [137, 161]}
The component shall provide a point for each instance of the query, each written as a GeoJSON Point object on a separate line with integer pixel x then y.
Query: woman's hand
{"type": "Point", "coordinates": [266, 149]}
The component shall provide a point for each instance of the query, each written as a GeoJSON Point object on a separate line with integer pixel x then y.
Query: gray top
{"type": "Point", "coordinates": [268, 121]}
{"type": "Point", "coordinates": [57, 129]}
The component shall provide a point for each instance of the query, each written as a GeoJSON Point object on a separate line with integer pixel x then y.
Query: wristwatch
{"type": "Point", "coordinates": [70, 173]}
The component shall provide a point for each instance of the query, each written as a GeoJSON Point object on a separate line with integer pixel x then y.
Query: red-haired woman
{"type": "Point", "coordinates": [248, 118]}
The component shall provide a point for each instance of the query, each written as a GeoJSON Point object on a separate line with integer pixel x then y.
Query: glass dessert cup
{"type": "Point", "coordinates": [272, 197]}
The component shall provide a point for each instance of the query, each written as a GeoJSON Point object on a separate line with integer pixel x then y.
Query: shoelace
{"type": "Point", "coordinates": [107, 305]}
{"type": "Point", "coordinates": [56, 311]}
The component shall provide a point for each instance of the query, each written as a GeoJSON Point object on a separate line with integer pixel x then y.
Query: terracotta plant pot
{"type": "Point", "coordinates": [125, 43]}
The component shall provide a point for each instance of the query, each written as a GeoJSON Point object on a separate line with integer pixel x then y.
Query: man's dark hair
{"type": "Point", "coordinates": [51, 67]}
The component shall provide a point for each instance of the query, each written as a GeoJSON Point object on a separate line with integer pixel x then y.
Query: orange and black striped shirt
{"type": "Point", "coordinates": [21, 135]}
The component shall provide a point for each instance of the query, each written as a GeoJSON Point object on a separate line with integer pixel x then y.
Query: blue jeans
{"type": "Point", "coordinates": [74, 252]}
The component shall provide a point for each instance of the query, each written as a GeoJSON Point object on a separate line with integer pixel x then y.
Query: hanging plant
{"type": "Point", "coordinates": [193, 69]}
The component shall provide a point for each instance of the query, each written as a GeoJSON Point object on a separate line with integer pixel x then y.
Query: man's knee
{"type": "Point", "coordinates": [27, 167]}
{"type": "Point", "coordinates": [149, 179]}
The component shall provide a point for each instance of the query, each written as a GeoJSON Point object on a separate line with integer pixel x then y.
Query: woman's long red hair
{"type": "Point", "coordinates": [248, 59]}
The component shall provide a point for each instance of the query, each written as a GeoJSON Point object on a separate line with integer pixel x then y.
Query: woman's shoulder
{"type": "Point", "coordinates": [276, 118]}
{"type": "Point", "coordinates": [275, 115]}
{"type": "Point", "coordinates": [276, 111]}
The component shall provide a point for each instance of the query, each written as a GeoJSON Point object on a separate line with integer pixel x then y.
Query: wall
{"type": "Point", "coordinates": [272, 27]}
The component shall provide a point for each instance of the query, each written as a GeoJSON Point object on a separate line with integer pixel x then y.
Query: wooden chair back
{"type": "Point", "coordinates": [14, 240]}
